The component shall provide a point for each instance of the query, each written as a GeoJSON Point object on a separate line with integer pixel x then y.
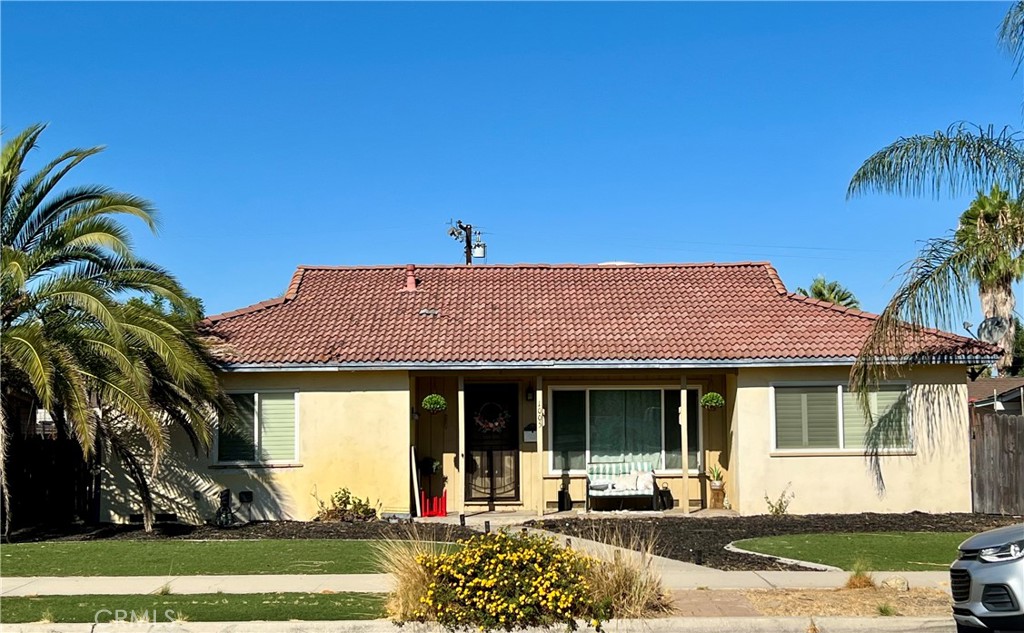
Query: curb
{"type": "Point", "coordinates": [659, 625]}
{"type": "Point", "coordinates": [788, 561]}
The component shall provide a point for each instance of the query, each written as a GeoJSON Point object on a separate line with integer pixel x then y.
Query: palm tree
{"type": "Point", "coordinates": [989, 235]}
{"type": "Point", "coordinates": [937, 285]}
{"type": "Point", "coordinates": [105, 366]}
{"type": "Point", "coordinates": [831, 291]}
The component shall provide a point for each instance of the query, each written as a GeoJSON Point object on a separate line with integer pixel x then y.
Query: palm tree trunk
{"type": "Point", "coordinates": [5, 497]}
{"type": "Point", "coordinates": [997, 300]}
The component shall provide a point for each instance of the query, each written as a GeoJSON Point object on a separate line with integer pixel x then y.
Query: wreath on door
{"type": "Point", "coordinates": [491, 418]}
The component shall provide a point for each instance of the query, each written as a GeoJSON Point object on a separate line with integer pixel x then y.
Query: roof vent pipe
{"type": "Point", "coordinates": [410, 278]}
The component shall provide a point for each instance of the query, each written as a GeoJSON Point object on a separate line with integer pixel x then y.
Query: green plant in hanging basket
{"type": "Point", "coordinates": [434, 403]}
{"type": "Point", "coordinates": [712, 400]}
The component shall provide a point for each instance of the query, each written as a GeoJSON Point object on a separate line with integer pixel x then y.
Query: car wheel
{"type": "Point", "coordinates": [963, 628]}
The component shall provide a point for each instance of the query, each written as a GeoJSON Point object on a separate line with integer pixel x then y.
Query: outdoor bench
{"type": "Point", "coordinates": [621, 480]}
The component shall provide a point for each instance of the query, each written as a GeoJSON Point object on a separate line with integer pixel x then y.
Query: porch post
{"type": "Point", "coordinates": [541, 458]}
{"type": "Point", "coordinates": [684, 500]}
{"type": "Point", "coordinates": [461, 483]}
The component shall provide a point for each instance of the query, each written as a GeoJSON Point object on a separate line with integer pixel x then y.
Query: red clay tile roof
{"type": "Point", "coordinates": [523, 314]}
{"type": "Point", "coordinates": [983, 388]}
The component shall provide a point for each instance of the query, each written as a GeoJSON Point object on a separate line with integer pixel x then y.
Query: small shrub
{"type": "Point", "coordinates": [344, 506]}
{"type": "Point", "coordinates": [860, 578]}
{"type": "Point", "coordinates": [885, 609]}
{"type": "Point", "coordinates": [501, 581]}
{"type": "Point", "coordinates": [780, 506]}
{"type": "Point", "coordinates": [47, 617]}
{"type": "Point", "coordinates": [164, 590]}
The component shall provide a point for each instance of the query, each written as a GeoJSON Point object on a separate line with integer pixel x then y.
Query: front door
{"type": "Point", "coordinates": [492, 442]}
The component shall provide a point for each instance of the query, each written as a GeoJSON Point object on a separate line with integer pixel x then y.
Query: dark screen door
{"type": "Point", "coordinates": [492, 442]}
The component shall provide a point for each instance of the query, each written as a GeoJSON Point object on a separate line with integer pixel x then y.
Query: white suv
{"type": "Point", "coordinates": [987, 582]}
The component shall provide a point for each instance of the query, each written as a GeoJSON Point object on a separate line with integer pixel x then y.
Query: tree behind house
{"type": "Point", "coordinates": [831, 291]}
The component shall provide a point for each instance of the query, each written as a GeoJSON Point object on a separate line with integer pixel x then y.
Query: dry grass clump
{"type": "Point", "coordinates": [399, 557]}
{"type": "Point", "coordinates": [860, 578]}
{"type": "Point", "coordinates": [626, 581]}
{"type": "Point", "coordinates": [885, 609]}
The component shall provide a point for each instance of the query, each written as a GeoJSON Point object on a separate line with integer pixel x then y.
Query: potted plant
{"type": "Point", "coordinates": [428, 465]}
{"type": "Point", "coordinates": [434, 403]}
{"type": "Point", "coordinates": [717, 477]}
{"type": "Point", "coordinates": [712, 400]}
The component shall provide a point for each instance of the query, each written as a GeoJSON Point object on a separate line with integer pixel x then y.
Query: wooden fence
{"type": "Point", "coordinates": [997, 463]}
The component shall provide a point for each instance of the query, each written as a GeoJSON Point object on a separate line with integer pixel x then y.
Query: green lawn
{"type": "Point", "coordinates": [210, 607]}
{"type": "Point", "coordinates": [182, 558]}
{"type": "Point", "coordinates": [892, 551]}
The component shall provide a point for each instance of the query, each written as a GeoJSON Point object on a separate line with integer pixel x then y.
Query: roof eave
{"type": "Point", "coordinates": [590, 364]}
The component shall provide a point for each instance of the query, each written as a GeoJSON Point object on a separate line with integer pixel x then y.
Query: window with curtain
{"type": "Point", "coordinates": [262, 429]}
{"type": "Point", "coordinates": [569, 429]}
{"type": "Point", "coordinates": [623, 425]}
{"type": "Point", "coordinates": [831, 417]}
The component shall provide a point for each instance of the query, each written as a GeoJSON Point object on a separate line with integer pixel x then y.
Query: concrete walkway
{"type": "Point", "coordinates": [700, 578]}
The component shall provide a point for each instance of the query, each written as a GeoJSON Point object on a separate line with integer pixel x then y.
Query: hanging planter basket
{"type": "Point", "coordinates": [712, 400]}
{"type": "Point", "coordinates": [434, 403]}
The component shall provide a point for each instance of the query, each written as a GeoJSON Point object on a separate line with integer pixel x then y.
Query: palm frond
{"type": "Point", "coordinates": [26, 212]}
{"type": "Point", "coordinates": [25, 350]}
{"type": "Point", "coordinates": [12, 160]}
{"type": "Point", "coordinates": [962, 159]}
{"type": "Point", "coordinates": [52, 216]}
{"type": "Point", "coordinates": [935, 293]}
{"type": "Point", "coordinates": [1011, 34]}
{"type": "Point", "coordinates": [85, 296]}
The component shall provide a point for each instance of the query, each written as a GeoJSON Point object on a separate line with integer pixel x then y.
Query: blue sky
{"type": "Point", "coordinates": [276, 134]}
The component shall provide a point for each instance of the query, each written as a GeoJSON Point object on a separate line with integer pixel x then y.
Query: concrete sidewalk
{"type": "Point", "coordinates": [673, 579]}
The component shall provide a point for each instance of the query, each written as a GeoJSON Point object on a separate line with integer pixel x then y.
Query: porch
{"type": "Point", "coordinates": [510, 442]}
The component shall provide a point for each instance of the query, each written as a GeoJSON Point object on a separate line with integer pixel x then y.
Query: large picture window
{"type": "Point", "coordinates": [262, 429]}
{"type": "Point", "coordinates": [622, 425]}
{"type": "Point", "coordinates": [831, 418]}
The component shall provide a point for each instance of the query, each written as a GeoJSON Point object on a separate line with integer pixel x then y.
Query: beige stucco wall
{"type": "Point", "coordinates": [354, 432]}
{"type": "Point", "coordinates": [933, 477]}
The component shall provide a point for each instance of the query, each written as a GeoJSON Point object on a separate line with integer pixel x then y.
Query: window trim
{"type": "Point", "coordinates": [256, 434]}
{"type": "Point", "coordinates": [549, 425]}
{"type": "Point", "coordinates": [841, 388]}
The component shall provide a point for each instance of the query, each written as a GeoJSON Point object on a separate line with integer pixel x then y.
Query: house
{"type": "Point", "coordinates": [546, 368]}
{"type": "Point", "coordinates": [1004, 394]}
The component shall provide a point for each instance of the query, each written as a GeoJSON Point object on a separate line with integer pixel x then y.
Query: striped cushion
{"type": "Point", "coordinates": [604, 472]}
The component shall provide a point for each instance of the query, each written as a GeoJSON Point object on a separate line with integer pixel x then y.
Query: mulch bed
{"type": "Point", "coordinates": [703, 539]}
{"type": "Point", "coordinates": [365, 530]}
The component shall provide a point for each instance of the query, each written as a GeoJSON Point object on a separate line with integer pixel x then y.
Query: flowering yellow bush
{"type": "Point", "coordinates": [503, 581]}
